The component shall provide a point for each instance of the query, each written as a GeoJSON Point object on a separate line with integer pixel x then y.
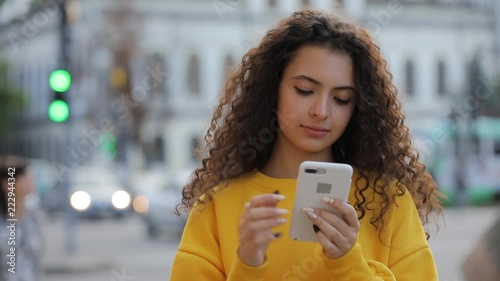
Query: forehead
{"type": "Point", "coordinates": [322, 64]}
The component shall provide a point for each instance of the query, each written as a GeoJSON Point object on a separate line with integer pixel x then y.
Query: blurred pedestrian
{"type": "Point", "coordinates": [20, 234]}
{"type": "Point", "coordinates": [316, 88]}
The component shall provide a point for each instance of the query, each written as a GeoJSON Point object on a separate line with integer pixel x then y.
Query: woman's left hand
{"type": "Point", "coordinates": [337, 234]}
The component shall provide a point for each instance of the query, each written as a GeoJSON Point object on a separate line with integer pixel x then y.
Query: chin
{"type": "Point", "coordinates": [313, 148]}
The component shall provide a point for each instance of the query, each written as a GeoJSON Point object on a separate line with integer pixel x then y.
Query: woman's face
{"type": "Point", "coordinates": [316, 99]}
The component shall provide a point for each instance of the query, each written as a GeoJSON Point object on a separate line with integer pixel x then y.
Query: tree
{"type": "Point", "coordinates": [11, 97]}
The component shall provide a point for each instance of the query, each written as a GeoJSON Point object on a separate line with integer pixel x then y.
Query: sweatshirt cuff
{"type": "Point", "coordinates": [244, 272]}
{"type": "Point", "coordinates": [352, 261]}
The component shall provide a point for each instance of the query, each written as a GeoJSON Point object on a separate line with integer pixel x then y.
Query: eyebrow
{"type": "Point", "coordinates": [303, 77]}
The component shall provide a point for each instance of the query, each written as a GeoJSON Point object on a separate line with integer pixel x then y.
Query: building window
{"type": "Point", "coordinates": [194, 75]}
{"type": "Point", "coordinates": [441, 78]}
{"type": "Point", "coordinates": [228, 66]}
{"type": "Point", "coordinates": [195, 148]}
{"type": "Point", "coordinates": [305, 3]}
{"type": "Point", "coordinates": [166, 77]}
{"type": "Point", "coordinates": [410, 77]}
{"type": "Point", "coordinates": [155, 73]}
{"type": "Point", "coordinates": [272, 3]}
{"type": "Point", "coordinates": [159, 149]}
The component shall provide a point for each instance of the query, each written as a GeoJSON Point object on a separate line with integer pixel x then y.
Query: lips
{"type": "Point", "coordinates": [315, 131]}
{"type": "Point", "coordinates": [316, 128]}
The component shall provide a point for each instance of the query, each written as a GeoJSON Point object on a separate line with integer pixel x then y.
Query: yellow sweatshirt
{"type": "Point", "coordinates": [207, 250]}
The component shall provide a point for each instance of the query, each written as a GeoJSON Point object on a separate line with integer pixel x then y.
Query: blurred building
{"type": "Point", "coordinates": [183, 51]}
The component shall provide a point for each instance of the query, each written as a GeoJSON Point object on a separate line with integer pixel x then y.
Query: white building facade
{"type": "Point", "coordinates": [428, 45]}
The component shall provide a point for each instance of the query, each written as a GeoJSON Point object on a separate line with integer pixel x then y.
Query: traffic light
{"type": "Point", "coordinates": [118, 77]}
{"type": "Point", "coordinates": [60, 82]}
{"type": "Point", "coordinates": [107, 143]}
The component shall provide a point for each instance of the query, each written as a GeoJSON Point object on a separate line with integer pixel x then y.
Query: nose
{"type": "Point", "coordinates": [319, 107]}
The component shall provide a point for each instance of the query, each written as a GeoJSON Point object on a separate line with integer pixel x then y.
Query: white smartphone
{"type": "Point", "coordinates": [316, 180]}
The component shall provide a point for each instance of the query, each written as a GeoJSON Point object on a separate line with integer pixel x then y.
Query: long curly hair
{"type": "Point", "coordinates": [375, 140]}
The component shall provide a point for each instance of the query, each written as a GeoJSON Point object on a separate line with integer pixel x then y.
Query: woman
{"type": "Point", "coordinates": [316, 88]}
{"type": "Point", "coordinates": [20, 235]}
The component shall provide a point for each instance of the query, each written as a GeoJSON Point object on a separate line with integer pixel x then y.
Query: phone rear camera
{"type": "Point", "coordinates": [311, 171]}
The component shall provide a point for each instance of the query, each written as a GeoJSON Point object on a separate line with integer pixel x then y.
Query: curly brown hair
{"type": "Point", "coordinates": [248, 108]}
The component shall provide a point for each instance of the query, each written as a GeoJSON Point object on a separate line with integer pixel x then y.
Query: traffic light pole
{"type": "Point", "coordinates": [64, 63]}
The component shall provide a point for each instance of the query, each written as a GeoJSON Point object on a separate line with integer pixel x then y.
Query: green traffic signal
{"type": "Point", "coordinates": [58, 111]}
{"type": "Point", "coordinates": [108, 145]}
{"type": "Point", "coordinates": [60, 80]}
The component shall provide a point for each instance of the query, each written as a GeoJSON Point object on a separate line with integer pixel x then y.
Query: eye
{"type": "Point", "coordinates": [302, 92]}
{"type": "Point", "coordinates": [341, 101]}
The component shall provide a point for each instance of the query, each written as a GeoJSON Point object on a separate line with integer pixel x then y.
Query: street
{"type": "Point", "coordinates": [107, 250]}
{"type": "Point", "coordinates": [118, 250]}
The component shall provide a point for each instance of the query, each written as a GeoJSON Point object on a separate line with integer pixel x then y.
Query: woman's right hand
{"type": "Point", "coordinates": [260, 217]}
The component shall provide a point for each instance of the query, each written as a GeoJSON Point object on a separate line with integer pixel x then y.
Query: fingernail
{"type": "Point", "coordinates": [276, 192]}
{"type": "Point", "coordinates": [316, 228]}
{"type": "Point", "coordinates": [281, 211]}
{"type": "Point", "coordinates": [328, 200]}
{"type": "Point", "coordinates": [308, 210]}
{"type": "Point", "coordinates": [312, 215]}
{"type": "Point", "coordinates": [277, 234]}
{"type": "Point", "coordinates": [279, 197]}
{"type": "Point", "coordinates": [247, 204]}
{"type": "Point", "coordinates": [281, 220]}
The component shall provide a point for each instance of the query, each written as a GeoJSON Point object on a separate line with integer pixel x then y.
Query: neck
{"type": "Point", "coordinates": [286, 159]}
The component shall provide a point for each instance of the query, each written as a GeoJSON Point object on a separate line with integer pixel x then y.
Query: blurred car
{"type": "Point", "coordinates": [157, 196]}
{"type": "Point", "coordinates": [96, 192]}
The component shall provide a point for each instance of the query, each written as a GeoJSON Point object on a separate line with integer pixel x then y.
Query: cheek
{"type": "Point", "coordinates": [288, 111]}
{"type": "Point", "coordinates": [343, 115]}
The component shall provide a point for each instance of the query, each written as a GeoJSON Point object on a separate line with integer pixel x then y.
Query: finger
{"type": "Point", "coordinates": [334, 220]}
{"type": "Point", "coordinates": [333, 234]}
{"type": "Point", "coordinates": [331, 250]}
{"type": "Point", "coordinates": [266, 237]}
{"type": "Point", "coordinates": [260, 238]}
{"type": "Point", "coordinates": [266, 200]}
{"type": "Point", "coordinates": [252, 227]}
{"type": "Point", "coordinates": [347, 211]}
{"type": "Point", "coordinates": [264, 213]}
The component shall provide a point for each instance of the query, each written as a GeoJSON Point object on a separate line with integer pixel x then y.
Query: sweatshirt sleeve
{"type": "Point", "coordinates": [199, 252]}
{"type": "Point", "coordinates": [410, 256]}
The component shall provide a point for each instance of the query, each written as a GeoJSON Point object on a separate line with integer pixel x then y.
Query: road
{"type": "Point", "coordinates": [108, 250]}
{"type": "Point", "coordinates": [111, 250]}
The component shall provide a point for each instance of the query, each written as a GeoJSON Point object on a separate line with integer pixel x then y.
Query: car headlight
{"type": "Point", "coordinates": [141, 204]}
{"type": "Point", "coordinates": [120, 199]}
{"type": "Point", "coordinates": [80, 200]}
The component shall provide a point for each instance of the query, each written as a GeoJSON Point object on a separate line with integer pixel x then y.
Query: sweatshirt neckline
{"type": "Point", "coordinates": [271, 184]}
